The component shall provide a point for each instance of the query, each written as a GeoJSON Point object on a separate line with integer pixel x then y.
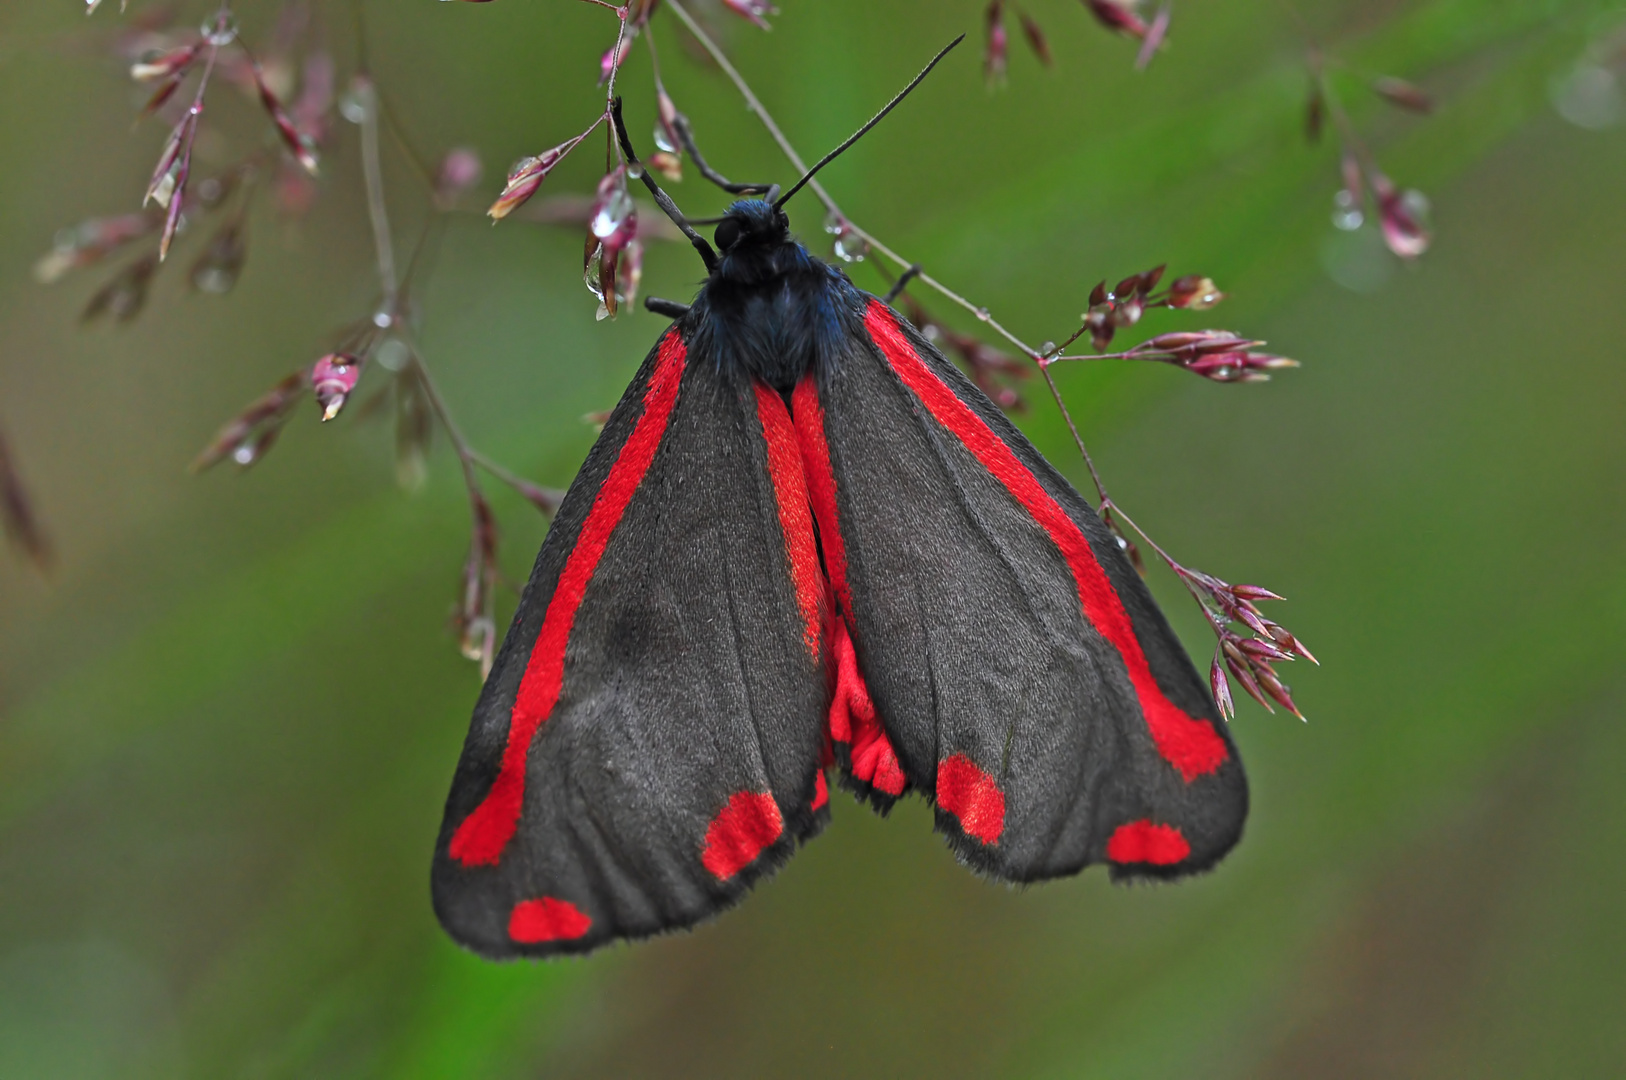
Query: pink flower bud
{"type": "Point", "coordinates": [1221, 688]}
{"type": "Point", "coordinates": [753, 10]}
{"type": "Point", "coordinates": [1400, 212]}
{"type": "Point", "coordinates": [669, 165]}
{"type": "Point", "coordinates": [1118, 15]}
{"type": "Point", "coordinates": [1153, 40]}
{"type": "Point", "coordinates": [613, 58]}
{"type": "Point", "coordinates": [994, 58]}
{"type": "Point", "coordinates": [525, 177]}
{"type": "Point", "coordinates": [613, 219]}
{"type": "Point", "coordinates": [666, 120]}
{"type": "Point", "coordinates": [1036, 39]}
{"type": "Point", "coordinates": [166, 64]}
{"type": "Point", "coordinates": [332, 379]}
{"type": "Point", "coordinates": [1406, 95]}
{"type": "Point", "coordinates": [302, 146]}
{"type": "Point", "coordinates": [1194, 293]}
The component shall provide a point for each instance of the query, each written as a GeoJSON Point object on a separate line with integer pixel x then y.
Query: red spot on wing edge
{"type": "Point", "coordinates": [533, 922]}
{"type": "Point", "coordinates": [971, 795]}
{"type": "Point", "coordinates": [1191, 745]}
{"type": "Point", "coordinates": [821, 790]}
{"type": "Point", "coordinates": [481, 838]}
{"type": "Point", "coordinates": [1144, 842]}
{"type": "Point", "coordinates": [795, 520]}
{"type": "Point", "coordinates": [741, 831]}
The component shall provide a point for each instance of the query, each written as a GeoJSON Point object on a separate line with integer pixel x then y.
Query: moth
{"type": "Point", "coordinates": [807, 550]}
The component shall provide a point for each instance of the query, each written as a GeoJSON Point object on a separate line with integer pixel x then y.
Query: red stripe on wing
{"type": "Point", "coordinates": [821, 486]}
{"type": "Point", "coordinates": [852, 718]}
{"type": "Point", "coordinates": [1190, 745]}
{"type": "Point", "coordinates": [480, 840]}
{"type": "Point", "coordinates": [795, 521]}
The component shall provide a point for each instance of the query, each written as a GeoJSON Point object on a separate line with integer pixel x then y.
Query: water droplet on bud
{"type": "Point", "coordinates": [1589, 96]}
{"type": "Point", "coordinates": [611, 214]}
{"type": "Point", "coordinates": [1346, 214]}
{"type": "Point", "coordinates": [663, 141]}
{"type": "Point", "coordinates": [1416, 204]}
{"type": "Point", "coordinates": [850, 247]}
{"type": "Point", "coordinates": [392, 355]}
{"type": "Point", "coordinates": [356, 105]}
{"type": "Point", "coordinates": [982, 314]}
{"type": "Point", "coordinates": [221, 30]}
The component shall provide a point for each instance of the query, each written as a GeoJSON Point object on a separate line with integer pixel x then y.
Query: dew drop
{"type": "Point", "coordinates": [612, 214]}
{"type": "Point", "coordinates": [1588, 96]}
{"type": "Point", "coordinates": [1416, 204]}
{"type": "Point", "coordinates": [1346, 214]}
{"type": "Point", "coordinates": [392, 355]}
{"type": "Point", "coordinates": [662, 140]}
{"type": "Point", "coordinates": [356, 105]}
{"type": "Point", "coordinates": [221, 30]}
{"type": "Point", "coordinates": [982, 314]}
{"type": "Point", "coordinates": [850, 247]}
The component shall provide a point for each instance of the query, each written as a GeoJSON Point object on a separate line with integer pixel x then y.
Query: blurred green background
{"type": "Point", "coordinates": [228, 722]}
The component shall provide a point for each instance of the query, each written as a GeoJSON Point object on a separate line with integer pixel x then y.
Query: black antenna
{"type": "Point", "coordinates": [876, 119]}
{"type": "Point", "coordinates": [662, 199]}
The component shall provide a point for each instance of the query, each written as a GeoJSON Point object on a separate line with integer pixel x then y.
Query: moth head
{"type": "Point", "coordinates": [751, 223]}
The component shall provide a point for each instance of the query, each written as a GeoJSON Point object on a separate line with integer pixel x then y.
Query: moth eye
{"type": "Point", "coordinates": [728, 234]}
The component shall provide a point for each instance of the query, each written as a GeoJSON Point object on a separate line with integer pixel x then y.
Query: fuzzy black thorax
{"type": "Point", "coordinates": [770, 310]}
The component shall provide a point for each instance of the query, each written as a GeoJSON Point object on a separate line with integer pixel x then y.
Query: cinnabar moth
{"type": "Point", "coordinates": [806, 542]}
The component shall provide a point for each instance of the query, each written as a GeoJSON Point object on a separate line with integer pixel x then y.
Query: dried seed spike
{"type": "Point", "coordinates": [1221, 688]}
{"type": "Point", "coordinates": [1315, 113]}
{"type": "Point", "coordinates": [1242, 675]}
{"type": "Point", "coordinates": [246, 436]}
{"type": "Point", "coordinates": [1406, 95]}
{"type": "Point", "coordinates": [17, 515]}
{"type": "Point", "coordinates": [1155, 35]}
{"type": "Point", "coordinates": [1117, 15]}
{"type": "Point", "coordinates": [1036, 39]}
{"type": "Point", "coordinates": [1259, 649]}
{"type": "Point", "coordinates": [1276, 689]}
{"type": "Point", "coordinates": [1149, 280]}
{"type": "Point", "coordinates": [753, 10]}
{"type": "Point", "coordinates": [544, 499]}
{"type": "Point", "coordinates": [995, 54]}
{"type": "Point", "coordinates": [1252, 621]}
